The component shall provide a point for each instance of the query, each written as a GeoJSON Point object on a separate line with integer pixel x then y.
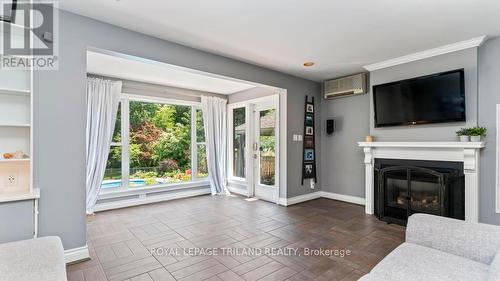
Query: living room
{"type": "Point", "coordinates": [250, 141]}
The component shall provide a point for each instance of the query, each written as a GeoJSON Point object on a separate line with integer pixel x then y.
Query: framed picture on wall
{"type": "Point", "coordinates": [309, 120]}
{"type": "Point", "coordinates": [308, 142]}
{"type": "Point", "coordinates": [8, 10]}
{"type": "Point", "coordinates": [309, 155]}
{"type": "Point", "coordinates": [310, 108]}
{"type": "Point", "coordinates": [309, 170]}
{"type": "Point", "coordinates": [309, 130]}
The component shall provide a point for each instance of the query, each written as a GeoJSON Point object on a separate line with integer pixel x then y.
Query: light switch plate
{"type": "Point", "coordinates": [299, 137]}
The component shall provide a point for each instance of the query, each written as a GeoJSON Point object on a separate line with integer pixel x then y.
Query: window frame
{"type": "Point", "coordinates": [125, 100]}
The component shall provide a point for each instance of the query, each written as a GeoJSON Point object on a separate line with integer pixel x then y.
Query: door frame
{"type": "Point", "coordinates": [257, 107]}
{"type": "Point", "coordinates": [244, 186]}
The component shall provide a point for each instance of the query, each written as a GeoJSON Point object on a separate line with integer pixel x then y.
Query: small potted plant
{"type": "Point", "coordinates": [463, 134]}
{"type": "Point", "coordinates": [476, 133]}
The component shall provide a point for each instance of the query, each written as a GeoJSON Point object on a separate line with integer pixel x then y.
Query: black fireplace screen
{"type": "Point", "coordinates": [405, 187]}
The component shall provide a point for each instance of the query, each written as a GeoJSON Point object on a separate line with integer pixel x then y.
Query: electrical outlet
{"type": "Point", "coordinates": [12, 180]}
{"type": "Point", "coordinates": [312, 183]}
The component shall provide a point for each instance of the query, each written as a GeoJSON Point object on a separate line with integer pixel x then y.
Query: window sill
{"type": "Point", "coordinates": [237, 180]}
{"type": "Point", "coordinates": [124, 192]}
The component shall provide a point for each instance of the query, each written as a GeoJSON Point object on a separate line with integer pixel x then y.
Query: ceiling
{"type": "Point", "coordinates": [141, 70]}
{"type": "Point", "coordinates": [339, 36]}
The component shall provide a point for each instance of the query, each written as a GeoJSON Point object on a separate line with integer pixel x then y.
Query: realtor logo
{"type": "Point", "coordinates": [30, 40]}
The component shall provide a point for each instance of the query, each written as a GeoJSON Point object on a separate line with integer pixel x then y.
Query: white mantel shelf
{"type": "Point", "coordinates": [447, 144]}
{"type": "Point", "coordinates": [465, 152]}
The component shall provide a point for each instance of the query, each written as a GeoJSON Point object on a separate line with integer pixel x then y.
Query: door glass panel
{"type": "Point", "coordinates": [267, 140]}
{"type": "Point", "coordinates": [239, 142]}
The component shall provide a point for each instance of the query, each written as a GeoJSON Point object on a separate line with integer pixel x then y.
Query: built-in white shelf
{"type": "Point", "coordinates": [14, 160]}
{"type": "Point", "coordinates": [15, 92]}
{"type": "Point", "coordinates": [15, 125]}
{"type": "Point", "coordinates": [21, 197]}
{"type": "Point", "coordinates": [429, 144]}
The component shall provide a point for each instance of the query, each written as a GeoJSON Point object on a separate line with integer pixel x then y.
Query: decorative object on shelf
{"type": "Point", "coordinates": [474, 134]}
{"type": "Point", "coordinates": [369, 139]}
{"type": "Point", "coordinates": [463, 135]}
{"type": "Point", "coordinates": [477, 133]}
{"type": "Point", "coordinates": [8, 155]}
{"type": "Point", "coordinates": [308, 146]}
{"type": "Point", "coordinates": [19, 154]}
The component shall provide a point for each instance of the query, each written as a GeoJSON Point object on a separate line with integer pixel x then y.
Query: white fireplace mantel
{"type": "Point", "coordinates": [466, 152]}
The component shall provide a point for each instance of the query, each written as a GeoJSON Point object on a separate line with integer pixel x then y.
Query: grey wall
{"type": "Point", "coordinates": [342, 166]}
{"type": "Point", "coordinates": [16, 221]}
{"type": "Point", "coordinates": [466, 59]}
{"type": "Point", "coordinates": [489, 96]}
{"type": "Point", "coordinates": [59, 114]}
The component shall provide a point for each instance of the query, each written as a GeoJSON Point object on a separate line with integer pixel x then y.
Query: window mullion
{"type": "Point", "coordinates": [194, 146]}
{"type": "Point", "coordinates": [125, 142]}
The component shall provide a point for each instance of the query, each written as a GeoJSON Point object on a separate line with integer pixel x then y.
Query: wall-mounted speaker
{"type": "Point", "coordinates": [330, 126]}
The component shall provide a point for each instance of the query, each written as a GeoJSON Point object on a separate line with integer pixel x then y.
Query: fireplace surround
{"type": "Point", "coordinates": [466, 153]}
{"type": "Point", "coordinates": [405, 187]}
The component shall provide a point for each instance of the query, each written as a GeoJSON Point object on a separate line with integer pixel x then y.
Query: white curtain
{"type": "Point", "coordinates": [215, 120]}
{"type": "Point", "coordinates": [102, 106]}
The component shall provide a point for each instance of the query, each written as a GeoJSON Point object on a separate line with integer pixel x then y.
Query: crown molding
{"type": "Point", "coordinates": [462, 45]}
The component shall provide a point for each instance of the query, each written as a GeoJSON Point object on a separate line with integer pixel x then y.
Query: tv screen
{"type": "Point", "coordinates": [429, 99]}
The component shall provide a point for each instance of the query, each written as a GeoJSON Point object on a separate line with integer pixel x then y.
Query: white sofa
{"type": "Point", "coordinates": [443, 249]}
{"type": "Point", "coordinates": [39, 259]}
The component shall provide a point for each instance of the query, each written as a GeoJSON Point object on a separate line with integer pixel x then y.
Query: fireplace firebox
{"type": "Point", "coordinates": [405, 187]}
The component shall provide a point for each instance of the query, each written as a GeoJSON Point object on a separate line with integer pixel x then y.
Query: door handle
{"type": "Point", "coordinates": [255, 146]}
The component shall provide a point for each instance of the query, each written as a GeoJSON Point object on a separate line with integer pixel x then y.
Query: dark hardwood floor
{"type": "Point", "coordinates": [123, 242]}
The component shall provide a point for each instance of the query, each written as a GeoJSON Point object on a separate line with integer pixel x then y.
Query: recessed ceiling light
{"type": "Point", "coordinates": [308, 63]}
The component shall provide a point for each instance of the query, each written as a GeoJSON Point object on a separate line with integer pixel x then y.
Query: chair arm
{"type": "Point", "coordinates": [474, 241]}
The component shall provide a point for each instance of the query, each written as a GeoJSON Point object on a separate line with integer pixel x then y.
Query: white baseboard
{"type": "Point", "coordinates": [282, 201]}
{"type": "Point", "coordinates": [345, 198]}
{"type": "Point", "coordinates": [149, 199]}
{"type": "Point", "coordinates": [239, 191]}
{"type": "Point", "coordinates": [300, 198]}
{"type": "Point", "coordinates": [321, 194]}
{"type": "Point", "coordinates": [76, 254]}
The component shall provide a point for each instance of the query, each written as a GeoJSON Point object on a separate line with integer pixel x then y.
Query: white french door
{"type": "Point", "coordinates": [265, 150]}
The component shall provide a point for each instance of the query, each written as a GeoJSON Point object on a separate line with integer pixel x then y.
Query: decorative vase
{"type": "Point", "coordinates": [369, 139]}
{"type": "Point", "coordinates": [475, 138]}
{"type": "Point", "coordinates": [464, 138]}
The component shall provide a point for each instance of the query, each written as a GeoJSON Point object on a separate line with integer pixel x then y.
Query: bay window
{"type": "Point", "coordinates": [156, 142]}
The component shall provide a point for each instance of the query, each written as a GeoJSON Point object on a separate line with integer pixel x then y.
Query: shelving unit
{"type": "Point", "coordinates": [16, 137]}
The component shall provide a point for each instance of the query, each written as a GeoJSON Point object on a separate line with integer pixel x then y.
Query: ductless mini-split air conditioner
{"type": "Point", "coordinates": [346, 86]}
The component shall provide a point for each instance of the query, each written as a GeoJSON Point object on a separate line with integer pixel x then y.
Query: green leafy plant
{"type": "Point", "coordinates": [477, 131]}
{"type": "Point", "coordinates": [150, 181]}
{"type": "Point", "coordinates": [463, 132]}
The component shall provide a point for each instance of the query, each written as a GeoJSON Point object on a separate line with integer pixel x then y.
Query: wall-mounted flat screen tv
{"type": "Point", "coordinates": [428, 99]}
